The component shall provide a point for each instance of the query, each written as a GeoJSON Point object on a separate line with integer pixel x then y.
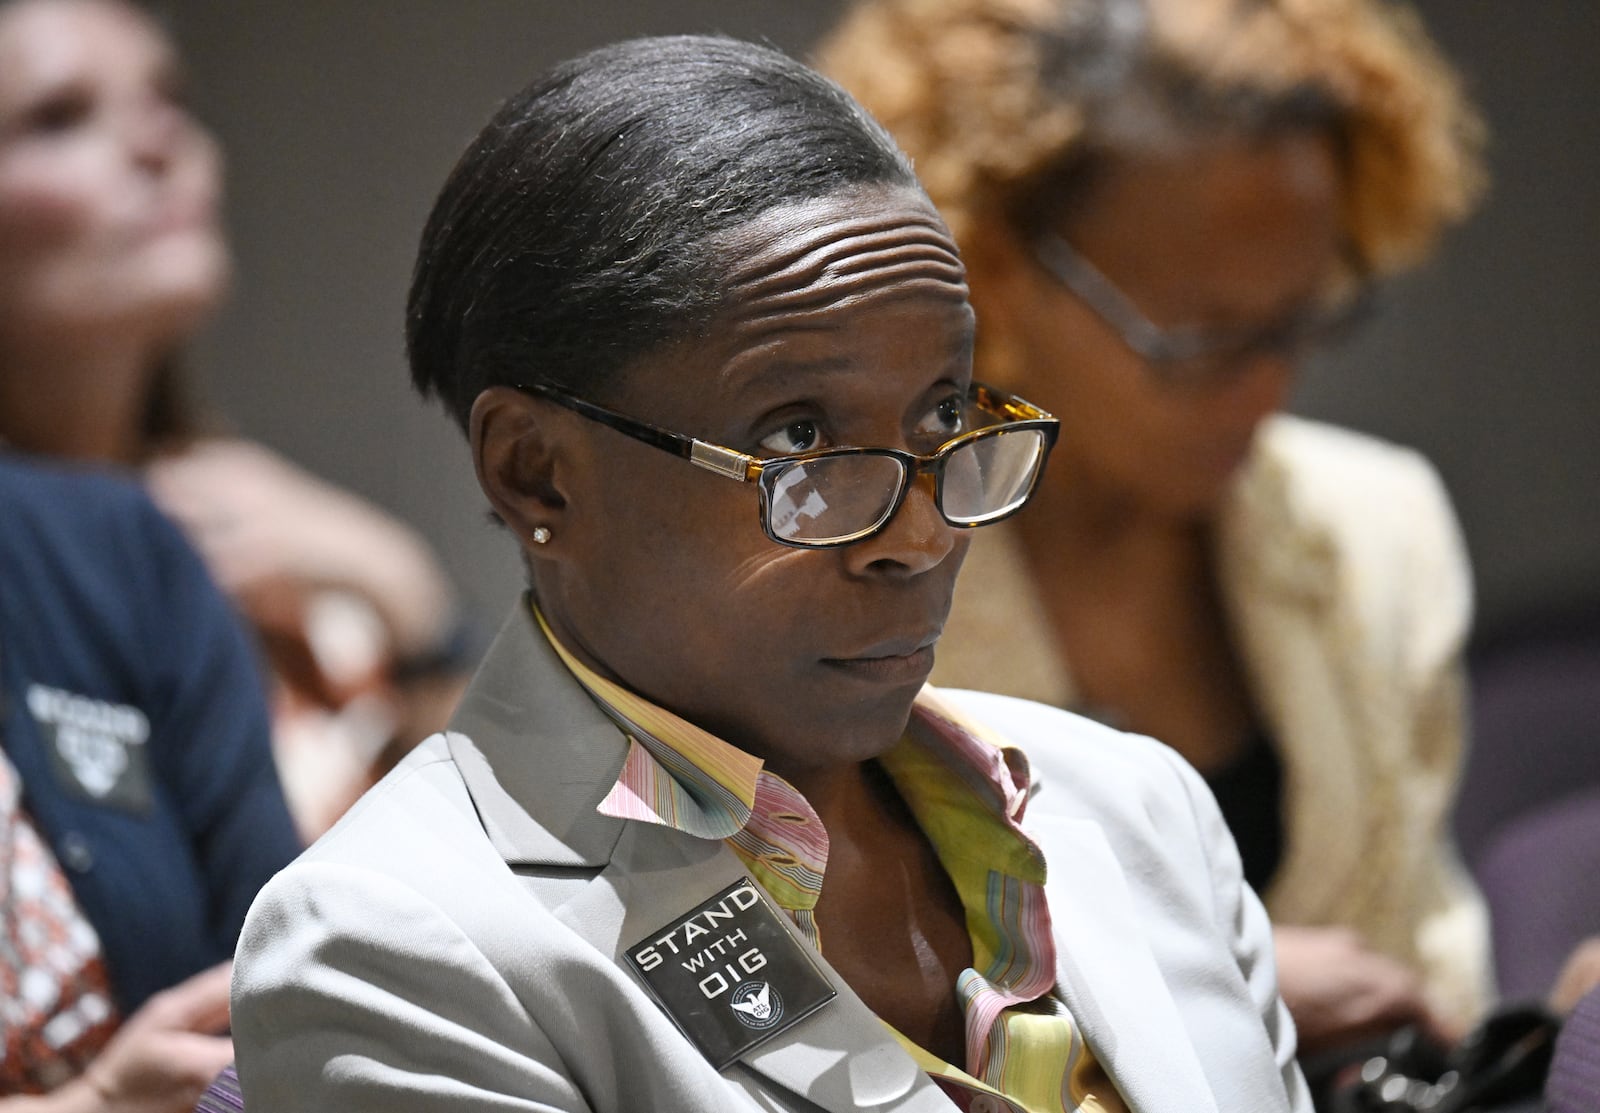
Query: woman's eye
{"type": "Point", "coordinates": [945, 420]}
{"type": "Point", "coordinates": [58, 114]}
{"type": "Point", "coordinates": [797, 436]}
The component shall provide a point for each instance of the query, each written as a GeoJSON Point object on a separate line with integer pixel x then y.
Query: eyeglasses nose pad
{"type": "Point", "coordinates": [926, 479]}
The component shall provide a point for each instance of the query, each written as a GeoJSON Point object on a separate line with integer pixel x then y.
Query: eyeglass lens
{"type": "Point", "coordinates": [831, 499]}
{"type": "Point", "coordinates": [990, 477]}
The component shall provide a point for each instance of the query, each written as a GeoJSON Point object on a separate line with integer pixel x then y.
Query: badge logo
{"type": "Point", "coordinates": [730, 974]}
{"type": "Point", "coordinates": [96, 748]}
{"type": "Point", "coordinates": [757, 1005]}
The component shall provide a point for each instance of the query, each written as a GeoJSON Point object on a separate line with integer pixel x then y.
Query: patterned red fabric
{"type": "Point", "coordinates": [56, 1011]}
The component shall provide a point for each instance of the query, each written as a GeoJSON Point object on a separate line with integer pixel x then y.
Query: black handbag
{"type": "Point", "coordinates": [1500, 1066]}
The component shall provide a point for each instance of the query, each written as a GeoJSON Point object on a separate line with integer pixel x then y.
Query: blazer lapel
{"type": "Point", "coordinates": [1108, 978]}
{"type": "Point", "coordinates": [1279, 575]}
{"type": "Point", "coordinates": [529, 741]}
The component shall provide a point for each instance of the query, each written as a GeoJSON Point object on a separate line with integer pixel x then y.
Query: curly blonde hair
{"type": "Point", "coordinates": [1001, 103]}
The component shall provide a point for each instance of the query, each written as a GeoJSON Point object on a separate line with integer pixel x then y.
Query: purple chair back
{"type": "Point", "coordinates": [1535, 726]}
{"type": "Point", "coordinates": [1540, 875]}
{"type": "Point", "coordinates": [1573, 1085]}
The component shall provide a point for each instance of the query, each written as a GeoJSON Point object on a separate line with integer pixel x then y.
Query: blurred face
{"type": "Point", "coordinates": [848, 326]}
{"type": "Point", "coordinates": [108, 187]}
{"type": "Point", "coordinates": [1234, 236]}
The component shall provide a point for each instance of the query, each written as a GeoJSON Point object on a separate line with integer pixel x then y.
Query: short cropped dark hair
{"type": "Point", "coordinates": [580, 230]}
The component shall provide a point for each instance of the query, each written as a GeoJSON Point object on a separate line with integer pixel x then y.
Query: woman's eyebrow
{"type": "Point", "coordinates": [738, 378]}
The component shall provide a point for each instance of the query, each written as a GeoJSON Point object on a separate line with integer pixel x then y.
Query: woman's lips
{"type": "Point", "coordinates": [888, 667]}
{"type": "Point", "coordinates": [179, 206]}
{"type": "Point", "coordinates": [178, 219]}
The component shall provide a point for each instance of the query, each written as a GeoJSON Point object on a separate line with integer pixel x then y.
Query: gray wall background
{"type": "Point", "coordinates": [341, 118]}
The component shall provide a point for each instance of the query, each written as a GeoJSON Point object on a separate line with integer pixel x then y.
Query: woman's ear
{"type": "Point", "coordinates": [517, 451]}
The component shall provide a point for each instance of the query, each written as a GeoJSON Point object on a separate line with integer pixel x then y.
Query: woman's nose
{"type": "Point", "coordinates": [157, 132]}
{"type": "Point", "coordinates": [915, 540]}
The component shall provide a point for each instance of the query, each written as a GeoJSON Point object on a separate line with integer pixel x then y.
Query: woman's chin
{"type": "Point", "coordinates": [1196, 500]}
{"type": "Point", "coordinates": [180, 300]}
{"type": "Point", "coordinates": [1198, 484]}
{"type": "Point", "coordinates": [193, 271]}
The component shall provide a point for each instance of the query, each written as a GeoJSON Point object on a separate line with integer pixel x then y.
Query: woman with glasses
{"type": "Point", "coordinates": [1163, 207]}
{"type": "Point", "coordinates": [700, 838]}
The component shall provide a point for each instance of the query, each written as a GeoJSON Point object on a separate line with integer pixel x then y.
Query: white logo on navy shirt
{"type": "Point", "coordinates": [96, 741]}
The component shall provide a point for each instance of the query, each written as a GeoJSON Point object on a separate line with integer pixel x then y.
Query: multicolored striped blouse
{"type": "Point", "coordinates": [1025, 1053]}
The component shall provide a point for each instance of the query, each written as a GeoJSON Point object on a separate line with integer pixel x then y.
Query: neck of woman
{"type": "Point", "coordinates": [82, 401]}
{"type": "Point", "coordinates": [837, 793]}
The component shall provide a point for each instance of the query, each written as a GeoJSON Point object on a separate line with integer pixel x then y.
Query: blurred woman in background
{"type": "Point", "coordinates": [111, 258]}
{"type": "Point", "coordinates": [1163, 207]}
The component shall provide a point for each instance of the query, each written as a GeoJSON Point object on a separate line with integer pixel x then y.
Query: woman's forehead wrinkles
{"type": "Point", "coordinates": [817, 265]}
{"type": "Point", "coordinates": [806, 307]}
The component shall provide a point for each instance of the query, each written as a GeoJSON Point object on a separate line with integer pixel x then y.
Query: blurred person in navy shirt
{"type": "Point", "coordinates": [112, 257]}
{"type": "Point", "coordinates": [139, 808]}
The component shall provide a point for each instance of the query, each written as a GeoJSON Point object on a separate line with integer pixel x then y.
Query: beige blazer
{"type": "Point", "coordinates": [1345, 576]}
{"type": "Point", "coordinates": [455, 942]}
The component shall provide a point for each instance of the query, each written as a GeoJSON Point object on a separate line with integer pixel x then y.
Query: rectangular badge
{"type": "Point", "coordinates": [729, 974]}
{"type": "Point", "coordinates": [97, 749]}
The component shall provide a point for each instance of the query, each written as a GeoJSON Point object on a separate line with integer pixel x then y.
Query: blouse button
{"type": "Point", "coordinates": [984, 1103]}
{"type": "Point", "coordinates": [74, 853]}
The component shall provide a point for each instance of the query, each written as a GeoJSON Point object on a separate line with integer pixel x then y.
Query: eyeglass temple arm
{"type": "Point", "coordinates": [723, 461]}
{"type": "Point", "coordinates": [1084, 279]}
{"type": "Point", "coordinates": [1009, 405]}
